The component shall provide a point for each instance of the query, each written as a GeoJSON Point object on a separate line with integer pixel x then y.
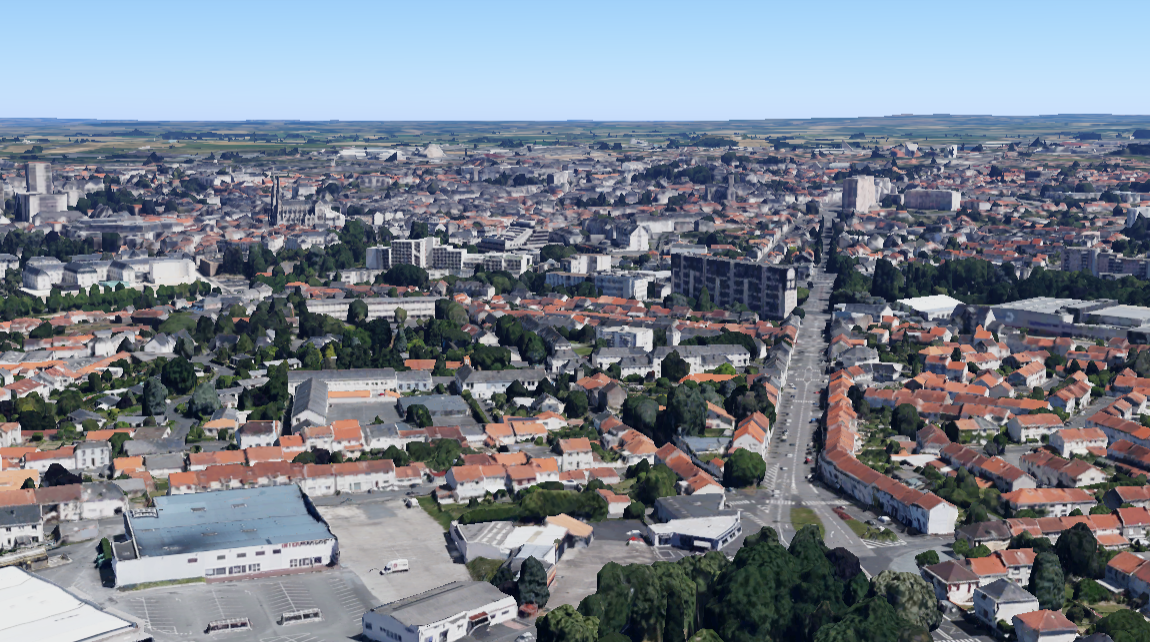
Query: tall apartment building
{"type": "Point", "coordinates": [39, 196]}
{"type": "Point", "coordinates": [769, 290]}
{"type": "Point", "coordinates": [858, 194]}
{"type": "Point", "coordinates": [430, 255]}
{"type": "Point", "coordinates": [1098, 261]}
{"type": "Point", "coordinates": [413, 251]}
{"type": "Point", "coordinates": [38, 175]}
{"type": "Point", "coordinates": [932, 199]}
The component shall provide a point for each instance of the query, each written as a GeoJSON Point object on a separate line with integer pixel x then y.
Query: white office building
{"type": "Point", "coordinates": [443, 614]}
{"type": "Point", "coordinates": [227, 534]}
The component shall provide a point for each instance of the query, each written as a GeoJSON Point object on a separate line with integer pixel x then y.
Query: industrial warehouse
{"type": "Point", "coordinates": [230, 534]}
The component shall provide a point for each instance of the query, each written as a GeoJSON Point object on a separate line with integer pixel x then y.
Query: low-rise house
{"type": "Point", "coordinates": [575, 454]}
{"type": "Point", "coordinates": [1051, 470]}
{"type": "Point", "coordinates": [21, 526]}
{"type": "Point", "coordinates": [1055, 502]}
{"type": "Point", "coordinates": [616, 504]}
{"type": "Point", "coordinates": [1032, 427]}
{"type": "Point", "coordinates": [1077, 441]}
{"type": "Point", "coordinates": [952, 581]}
{"type": "Point", "coordinates": [1122, 567]}
{"type": "Point", "coordinates": [1000, 601]}
{"type": "Point", "coordinates": [203, 460]}
{"type": "Point", "coordinates": [1138, 496]}
{"type": "Point", "coordinates": [719, 419]}
{"type": "Point", "coordinates": [254, 434]}
{"type": "Point", "coordinates": [475, 481]}
{"type": "Point", "coordinates": [1044, 626]}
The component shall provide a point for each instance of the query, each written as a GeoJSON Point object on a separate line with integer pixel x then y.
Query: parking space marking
{"type": "Point", "coordinates": [154, 616]}
{"type": "Point", "coordinates": [290, 598]}
{"type": "Point", "coordinates": [348, 600]}
{"type": "Point", "coordinates": [302, 637]}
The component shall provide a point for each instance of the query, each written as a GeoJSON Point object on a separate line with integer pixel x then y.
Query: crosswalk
{"type": "Point", "coordinates": [872, 544]}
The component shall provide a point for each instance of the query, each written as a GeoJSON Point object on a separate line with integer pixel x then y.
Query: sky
{"type": "Point", "coordinates": [550, 60]}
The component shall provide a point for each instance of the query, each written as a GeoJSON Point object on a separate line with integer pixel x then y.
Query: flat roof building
{"type": "Point", "coordinates": [33, 609]}
{"type": "Point", "coordinates": [229, 534]}
{"type": "Point", "coordinates": [443, 614]}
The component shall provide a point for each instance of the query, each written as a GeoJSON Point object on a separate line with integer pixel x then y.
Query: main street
{"type": "Point", "coordinates": [786, 485]}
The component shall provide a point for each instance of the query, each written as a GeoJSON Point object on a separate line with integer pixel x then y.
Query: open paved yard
{"type": "Point", "coordinates": [372, 534]}
{"type": "Point", "coordinates": [580, 566]}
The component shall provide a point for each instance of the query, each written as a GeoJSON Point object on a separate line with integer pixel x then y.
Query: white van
{"type": "Point", "coordinates": [395, 566]}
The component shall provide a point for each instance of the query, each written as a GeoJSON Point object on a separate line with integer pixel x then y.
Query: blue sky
{"type": "Point", "coordinates": [549, 60]}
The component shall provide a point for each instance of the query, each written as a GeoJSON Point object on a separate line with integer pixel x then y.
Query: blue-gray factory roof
{"type": "Point", "coordinates": [199, 522]}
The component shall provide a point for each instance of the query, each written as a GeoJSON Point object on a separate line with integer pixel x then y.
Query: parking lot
{"type": "Point", "coordinates": [372, 534]}
{"type": "Point", "coordinates": [579, 567]}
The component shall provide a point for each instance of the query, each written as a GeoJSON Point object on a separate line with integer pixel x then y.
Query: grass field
{"type": "Point", "coordinates": [801, 517]}
{"type": "Point", "coordinates": [178, 321]}
{"type": "Point", "coordinates": [140, 139]}
{"type": "Point", "coordinates": [483, 569]}
{"type": "Point", "coordinates": [444, 516]}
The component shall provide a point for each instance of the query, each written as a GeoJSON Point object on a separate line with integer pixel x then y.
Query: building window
{"type": "Point", "coordinates": [276, 552]}
{"type": "Point", "coordinates": [192, 560]}
{"type": "Point", "coordinates": [220, 557]}
{"type": "Point", "coordinates": [236, 569]}
{"type": "Point", "coordinates": [241, 554]}
{"type": "Point", "coordinates": [253, 568]}
{"type": "Point", "coordinates": [258, 553]}
{"type": "Point", "coordinates": [367, 625]}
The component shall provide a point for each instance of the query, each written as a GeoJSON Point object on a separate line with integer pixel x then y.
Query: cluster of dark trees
{"type": "Point", "coordinates": [977, 281]}
{"type": "Point", "coordinates": [806, 593]}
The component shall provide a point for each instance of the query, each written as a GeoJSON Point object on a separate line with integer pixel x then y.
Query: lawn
{"type": "Point", "coordinates": [801, 517]}
{"type": "Point", "coordinates": [178, 321]}
{"type": "Point", "coordinates": [1106, 608]}
{"type": "Point", "coordinates": [584, 351]}
{"type": "Point", "coordinates": [870, 532]}
{"type": "Point", "coordinates": [444, 515]}
{"type": "Point", "coordinates": [483, 569]}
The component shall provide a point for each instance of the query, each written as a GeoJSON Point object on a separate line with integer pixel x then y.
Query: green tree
{"type": "Point", "coordinates": [419, 415]}
{"type": "Point", "coordinates": [42, 331]}
{"type": "Point", "coordinates": [675, 367]}
{"type": "Point", "coordinates": [1079, 554]}
{"type": "Point", "coordinates": [178, 375]}
{"type": "Point", "coordinates": [576, 404]}
{"type": "Point", "coordinates": [744, 468]}
{"type": "Point", "coordinates": [658, 481]}
{"type": "Point", "coordinates": [357, 312]}
{"type": "Point", "coordinates": [401, 340]}
{"type": "Point", "coordinates": [926, 558]}
{"type": "Point", "coordinates": [204, 401]}
{"type": "Point", "coordinates": [117, 442]}
{"type": "Point", "coordinates": [565, 624]}
{"type": "Point", "coordinates": [905, 420]}
{"type": "Point", "coordinates": [911, 597]}
{"type": "Point", "coordinates": [635, 510]}
{"type": "Point", "coordinates": [533, 583]}
{"type": "Point", "coordinates": [641, 413]}
{"type": "Point", "coordinates": [154, 399]}
{"type": "Point", "coordinates": [1047, 582]}
{"type": "Point", "coordinates": [686, 410]}
{"type": "Point", "coordinates": [704, 303]}
{"type": "Point", "coordinates": [1125, 625]}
